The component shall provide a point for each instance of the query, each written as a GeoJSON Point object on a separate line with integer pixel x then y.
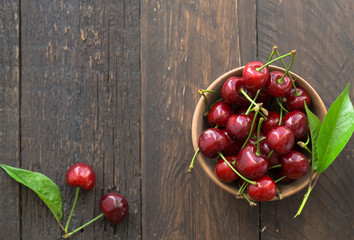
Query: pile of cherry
{"type": "Point", "coordinates": [258, 130]}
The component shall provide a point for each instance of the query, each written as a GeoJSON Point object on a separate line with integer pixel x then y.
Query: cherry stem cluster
{"type": "Point", "coordinates": [256, 109]}
{"type": "Point", "coordinates": [265, 111]}
{"type": "Point", "coordinates": [258, 153]}
{"type": "Point", "coordinates": [276, 59]}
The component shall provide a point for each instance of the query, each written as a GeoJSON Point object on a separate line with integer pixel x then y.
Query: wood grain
{"type": "Point", "coordinates": [81, 103]}
{"type": "Point", "coordinates": [323, 34]}
{"type": "Point", "coordinates": [185, 46]}
{"type": "Point", "coordinates": [10, 223]}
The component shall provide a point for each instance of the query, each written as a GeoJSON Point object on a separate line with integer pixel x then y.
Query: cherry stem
{"type": "Point", "coordinates": [254, 103]}
{"type": "Point", "coordinates": [304, 201]}
{"type": "Point", "coordinates": [304, 146]}
{"type": "Point", "coordinates": [242, 188]}
{"type": "Point", "coordinates": [280, 196]}
{"type": "Point", "coordinates": [254, 120]}
{"type": "Point", "coordinates": [275, 49]}
{"type": "Point", "coordinates": [209, 91]}
{"type": "Point", "coordinates": [233, 169]}
{"type": "Point", "coordinates": [254, 99]}
{"type": "Point", "coordinates": [274, 60]}
{"type": "Point", "coordinates": [291, 78]}
{"type": "Point", "coordinates": [270, 154]}
{"type": "Point", "coordinates": [78, 229]}
{"type": "Point", "coordinates": [279, 179]}
{"type": "Point", "coordinates": [275, 166]}
{"type": "Point", "coordinates": [281, 105]}
{"type": "Point", "coordinates": [191, 166]}
{"type": "Point", "coordinates": [258, 152]}
{"type": "Point", "coordinates": [205, 99]}
{"type": "Point", "coordinates": [281, 80]}
{"type": "Point", "coordinates": [252, 204]}
{"type": "Point", "coordinates": [72, 209]}
{"type": "Point", "coordinates": [281, 113]}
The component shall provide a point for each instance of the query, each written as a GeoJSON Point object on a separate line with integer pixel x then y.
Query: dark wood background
{"type": "Point", "coordinates": [114, 84]}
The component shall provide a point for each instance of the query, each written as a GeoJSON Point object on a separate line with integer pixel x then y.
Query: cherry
{"type": "Point", "coordinates": [277, 87]}
{"type": "Point", "coordinates": [281, 139]}
{"type": "Point", "coordinates": [230, 92]}
{"type": "Point", "coordinates": [274, 158]}
{"type": "Point", "coordinates": [114, 207]}
{"type": "Point", "coordinates": [272, 121]}
{"type": "Point", "coordinates": [224, 172]}
{"type": "Point", "coordinates": [211, 141]}
{"type": "Point", "coordinates": [296, 102]}
{"type": "Point", "coordinates": [252, 78]}
{"type": "Point", "coordinates": [263, 97]}
{"type": "Point", "coordinates": [219, 114]}
{"type": "Point", "coordinates": [297, 122]}
{"type": "Point", "coordinates": [249, 164]}
{"type": "Point", "coordinates": [233, 147]}
{"type": "Point", "coordinates": [239, 126]}
{"type": "Point", "coordinates": [81, 175]}
{"type": "Point", "coordinates": [264, 189]}
{"type": "Point", "coordinates": [294, 164]}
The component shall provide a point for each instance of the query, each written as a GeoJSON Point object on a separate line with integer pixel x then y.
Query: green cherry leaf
{"type": "Point", "coordinates": [336, 130]}
{"type": "Point", "coordinates": [315, 125]}
{"type": "Point", "coordinates": [45, 188]}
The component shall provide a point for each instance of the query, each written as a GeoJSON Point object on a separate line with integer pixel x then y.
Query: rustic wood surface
{"type": "Point", "coordinates": [114, 84]}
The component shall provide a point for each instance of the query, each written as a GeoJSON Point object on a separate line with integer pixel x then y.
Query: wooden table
{"type": "Point", "coordinates": [114, 84]}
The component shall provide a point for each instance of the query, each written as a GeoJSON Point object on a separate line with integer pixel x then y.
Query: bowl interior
{"type": "Point", "coordinates": [199, 123]}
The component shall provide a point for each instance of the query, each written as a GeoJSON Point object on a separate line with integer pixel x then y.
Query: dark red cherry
{"type": "Point", "coordinates": [233, 147]}
{"type": "Point", "coordinates": [224, 172]}
{"type": "Point", "coordinates": [239, 126]}
{"type": "Point", "coordinates": [230, 92]}
{"type": "Point", "coordinates": [297, 122]}
{"type": "Point", "coordinates": [277, 89]}
{"type": "Point", "coordinates": [219, 114]}
{"type": "Point", "coordinates": [249, 164]}
{"type": "Point", "coordinates": [281, 139]}
{"type": "Point", "coordinates": [81, 175]}
{"type": "Point", "coordinates": [274, 159]}
{"type": "Point", "coordinates": [294, 164]}
{"type": "Point", "coordinates": [272, 121]}
{"type": "Point", "coordinates": [252, 78]}
{"type": "Point", "coordinates": [211, 141]}
{"type": "Point", "coordinates": [294, 102]}
{"type": "Point", "coordinates": [114, 207]}
{"type": "Point", "coordinates": [263, 97]}
{"type": "Point", "coordinates": [264, 190]}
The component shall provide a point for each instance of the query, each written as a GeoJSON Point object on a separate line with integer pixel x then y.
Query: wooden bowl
{"type": "Point", "coordinates": [199, 123]}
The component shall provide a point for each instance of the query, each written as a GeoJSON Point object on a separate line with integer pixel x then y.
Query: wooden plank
{"type": "Point", "coordinates": [185, 45]}
{"type": "Point", "coordinates": [81, 103]}
{"type": "Point", "coordinates": [9, 122]}
{"type": "Point", "coordinates": [322, 33]}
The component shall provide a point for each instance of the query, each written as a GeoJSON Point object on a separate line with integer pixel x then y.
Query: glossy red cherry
{"type": "Point", "coordinates": [219, 114]}
{"type": "Point", "coordinates": [114, 207]}
{"type": "Point", "coordinates": [294, 164]}
{"type": "Point", "coordinates": [233, 147]}
{"type": "Point", "coordinates": [294, 102]}
{"type": "Point", "coordinates": [272, 121]}
{"type": "Point", "coordinates": [239, 126]}
{"type": "Point", "coordinates": [264, 190]}
{"type": "Point", "coordinates": [277, 89]}
{"type": "Point", "coordinates": [81, 175]}
{"type": "Point", "coordinates": [223, 172]}
{"type": "Point", "coordinates": [211, 141]}
{"type": "Point", "coordinates": [297, 122]}
{"type": "Point", "coordinates": [249, 164]}
{"type": "Point", "coordinates": [281, 139]}
{"type": "Point", "coordinates": [230, 92]}
{"type": "Point", "coordinates": [252, 78]}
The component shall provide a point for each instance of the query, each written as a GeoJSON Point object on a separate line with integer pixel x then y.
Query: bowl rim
{"type": "Point", "coordinates": [198, 115]}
